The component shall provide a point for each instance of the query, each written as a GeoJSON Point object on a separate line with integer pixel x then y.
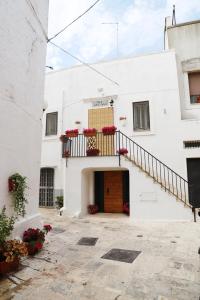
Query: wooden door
{"type": "Point", "coordinates": [113, 192]}
{"type": "Point", "coordinates": [98, 118]}
{"type": "Point", "coordinates": [193, 170]}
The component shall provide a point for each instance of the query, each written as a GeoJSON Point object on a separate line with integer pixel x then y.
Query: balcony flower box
{"type": "Point", "coordinates": [90, 132]}
{"type": "Point", "coordinates": [92, 152]}
{"type": "Point", "coordinates": [109, 130]}
{"type": "Point", "coordinates": [71, 133]}
{"type": "Point", "coordinates": [122, 151]}
{"type": "Point", "coordinates": [92, 209]}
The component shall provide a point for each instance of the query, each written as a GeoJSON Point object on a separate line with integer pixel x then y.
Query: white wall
{"type": "Point", "coordinates": [151, 77]}
{"type": "Point", "coordinates": [22, 62]}
{"type": "Point", "coordinates": [185, 40]}
{"type": "Point", "coordinates": [147, 199]}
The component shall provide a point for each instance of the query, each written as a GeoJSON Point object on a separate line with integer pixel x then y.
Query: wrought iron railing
{"type": "Point", "coordinates": [109, 145]}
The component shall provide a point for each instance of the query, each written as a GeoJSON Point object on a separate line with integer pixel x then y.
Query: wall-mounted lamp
{"type": "Point", "coordinates": [111, 102]}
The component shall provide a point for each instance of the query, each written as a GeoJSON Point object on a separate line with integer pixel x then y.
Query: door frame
{"type": "Point", "coordinates": [44, 189]}
{"type": "Point", "coordinates": [99, 187]}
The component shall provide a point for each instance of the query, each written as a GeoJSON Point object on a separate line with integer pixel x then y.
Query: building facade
{"type": "Point", "coordinates": [154, 103]}
{"type": "Point", "coordinates": [22, 60]}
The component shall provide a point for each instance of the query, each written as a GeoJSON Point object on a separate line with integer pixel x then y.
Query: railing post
{"type": "Point", "coordinates": [119, 148]}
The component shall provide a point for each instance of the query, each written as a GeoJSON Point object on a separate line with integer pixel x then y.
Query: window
{"type": "Point", "coordinates": [141, 119]}
{"type": "Point", "coordinates": [192, 144]}
{"type": "Point", "coordinates": [51, 123]}
{"type": "Point", "coordinates": [194, 86]}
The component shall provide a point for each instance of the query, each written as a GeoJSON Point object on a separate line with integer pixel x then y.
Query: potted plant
{"type": "Point", "coordinates": [34, 238]}
{"type": "Point", "coordinates": [17, 186]}
{"type": "Point", "coordinates": [109, 130]}
{"type": "Point", "coordinates": [122, 151]}
{"type": "Point", "coordinates": [126, 209]}
{"type": "Point", "coordinates": [10, 250]}
{"type": "Point", "coordinates": [71, 133]}
{"type": "Point", "coordinates": [59, 202]}
{"type": "Point", "coordinates": [93, 209]}
{"type": "Point", "coordinates": [63, 138]}
{"type": "Point", "coordinates": [66, 153]}
{"type": "Point", "coordinates": [92, 152]}
{"type": "Point", "coordinates": [90, 132]}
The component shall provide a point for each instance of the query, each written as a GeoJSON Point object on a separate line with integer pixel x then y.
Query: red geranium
{"type": "Point", "coordinates": [71, 131]}
{"type": "Point", "coordinates": [109, 129]}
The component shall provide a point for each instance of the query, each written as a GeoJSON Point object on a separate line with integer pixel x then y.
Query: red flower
{"type": "Point", "coordinates": [38, 245]}
{"type": "Point", "coordinates": [90, 130]}
{"type": "Point", "coordinates": [109, 129]}
{"type": "Point", "coordinates": [47, 228]}
{"type": "Point", "coordinates": [122, 151]}
{"type": "Point", "coordinates": [71, 131]}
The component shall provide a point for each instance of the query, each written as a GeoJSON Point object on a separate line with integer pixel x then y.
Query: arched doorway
{"type": "Point", "coordinates": [46, 196]}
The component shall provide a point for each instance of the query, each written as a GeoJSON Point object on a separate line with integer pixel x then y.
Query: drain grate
{"type": "Point", "coordinates": [127, 256]}
{"type": "Point", "coordinates": [87, 241]}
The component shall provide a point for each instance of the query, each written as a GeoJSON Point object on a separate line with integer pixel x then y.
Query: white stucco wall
{"type": "Point", "coordinates": [22, 63]}
{"type": "Point", "coordinates": [155, 78]}
{"type": "Point", "coordinates": [148, 201]}
{"type": "Point", "coordinates": [185, 40]}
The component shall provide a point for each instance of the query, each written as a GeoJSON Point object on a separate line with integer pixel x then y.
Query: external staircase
{"type": "Point", "coordinates": [110, 145]}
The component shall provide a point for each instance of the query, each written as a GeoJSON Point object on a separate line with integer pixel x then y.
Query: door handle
{"type": "Point", "coordinates": [107, 190]}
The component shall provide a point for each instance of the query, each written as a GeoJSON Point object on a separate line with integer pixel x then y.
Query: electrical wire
{"type": "Point", "coordinates": [87, 10]}
{"type": "Point", "coordinates": [37, 18]}
{"type": "Point", "coordinates": [86, 64]}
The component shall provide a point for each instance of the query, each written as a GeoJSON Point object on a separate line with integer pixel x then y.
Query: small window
{"type": "Point", "coordinates": [194, 86]}
{"type": "Point", "coordinates": [141, 119]}
{"type": "Point", "coordinates": [51, 123]}
{"type": "Point", "coordinates": [192, 144]}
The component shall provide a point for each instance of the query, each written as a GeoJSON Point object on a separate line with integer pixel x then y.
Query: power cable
{"type": "Point", "coordinates": [73, 21]}
{"type": "Point", "coordinates": [86, 64]}
{"type": "Point", "coordinates": [37, 18]}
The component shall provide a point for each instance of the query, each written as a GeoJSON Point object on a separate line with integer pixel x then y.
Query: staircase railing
{"type": "Point", "coordinates": [109, 145]}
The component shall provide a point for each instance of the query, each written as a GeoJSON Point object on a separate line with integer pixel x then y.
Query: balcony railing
{"type": "Point", "coordinates": [109, 145]}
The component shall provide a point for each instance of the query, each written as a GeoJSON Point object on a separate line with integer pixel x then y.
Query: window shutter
{"type": "Point", "coordinates": [194, 83]}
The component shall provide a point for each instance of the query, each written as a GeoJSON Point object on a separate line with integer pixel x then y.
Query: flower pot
{"type": "Point", "coordinates": [6, 267]}
{"type": "Point", "coordinates": [70, 135]}
{"type": "Point", "coordinates": [92, 209]}
{"type": "Point", "coordinates": [33, 249]}
{"type": "Point", "coordinates": [93, 152]}
{"type": "Point", "coordinates": [109, 133]}
{"type": "Point", "coordinates": [90, 134]}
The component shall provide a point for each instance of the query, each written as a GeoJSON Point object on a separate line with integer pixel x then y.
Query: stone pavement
{"type": "Point", "coordinates": [168, 266]}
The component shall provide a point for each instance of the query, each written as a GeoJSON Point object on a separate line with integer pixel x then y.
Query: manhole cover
{"type": "Point", "coordinates": [122, 255]}
{"type": "Point", "coordinates": [57, 230]}
{"type": "Point", "coordinates": [87, 241]}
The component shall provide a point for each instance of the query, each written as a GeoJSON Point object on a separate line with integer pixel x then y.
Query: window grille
{"type": "Point", "coordinates": [141, 118]}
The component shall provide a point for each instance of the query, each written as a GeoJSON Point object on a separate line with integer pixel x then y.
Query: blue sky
{"type": "Point", "coordinates": [141, 24]}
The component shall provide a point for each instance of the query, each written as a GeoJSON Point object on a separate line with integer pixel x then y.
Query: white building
{"type": "Point", "coordinates": [22, 64]}
{"type": "Point", "coordinates": [156, 105]}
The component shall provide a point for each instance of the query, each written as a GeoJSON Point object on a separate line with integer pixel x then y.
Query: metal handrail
{"type": "Point", "coordinates": [109, 145]}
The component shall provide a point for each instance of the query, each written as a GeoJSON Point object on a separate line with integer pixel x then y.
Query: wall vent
{"type": "Point", "coordinates": [192, 144]}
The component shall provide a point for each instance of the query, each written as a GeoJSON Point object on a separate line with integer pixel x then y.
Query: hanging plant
{"type": "Point", "coordinates": [17, 186]}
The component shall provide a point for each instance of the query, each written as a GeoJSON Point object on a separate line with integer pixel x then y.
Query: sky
{"type": "Point", "coordinates": [141, 25]}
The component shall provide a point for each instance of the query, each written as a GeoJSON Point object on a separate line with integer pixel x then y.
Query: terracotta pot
{"type": "Point", "coordinates": [90, 134]}
{"type": "Point", "coordinates": [93, 152]}
{"type": "Point", "coordinates": [109, 133]}
{"type": "Point", "coordinates": [6, 267]}
{"type": "Point", "coordinates": [71, 135]}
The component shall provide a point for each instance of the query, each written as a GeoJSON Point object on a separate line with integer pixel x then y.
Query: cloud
{"type": "Point", "coordinates": [141, 24]}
